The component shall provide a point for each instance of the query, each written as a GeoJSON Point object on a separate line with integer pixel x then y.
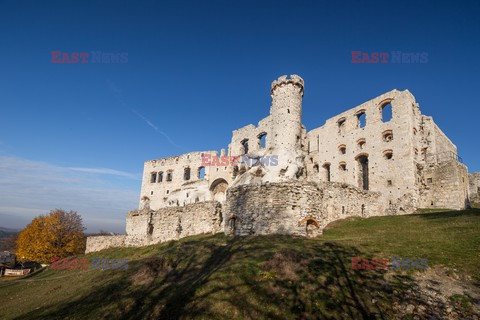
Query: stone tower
{"type": "Point", "coordinates": [286, 120]}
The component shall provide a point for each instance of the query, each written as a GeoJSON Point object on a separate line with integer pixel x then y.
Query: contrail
{"type": "Point", "coordinates": [118, 95]}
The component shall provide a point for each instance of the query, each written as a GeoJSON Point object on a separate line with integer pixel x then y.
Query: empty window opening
{"type": "Point", "coordinates": [160, 176]}
{"type": "Point", "coordinates": [245, 145]}
{"type": "Point", "coordinates": [342, 148]}
{"type": "Point", "coordinates": [388, 154]}
{"type": "Point", "coordinates": [186, 174]}
{"type": "Point", "coordinates": [288, 110]}
{"type": "Point", "coordinates": [429, 180]}
{"type": "Point", "coordinates": [342, 166]}
{"type": "Point", "coordinates": [326, 168]}
{"type": "Point", "coordinates": [389, 182]}
{"type": "Point", "coordinates": [262, 140]}
{"type": "Point", "coordinates": [168, 191]}
{"type": "Point", "coordinates": [343, 210]}
{"type": "Point", "coordinates": [169, 176]}
{"type": "Point", "coordinates": [151, 193]}
{"type": "Point", "coordinates": [315, 168]}
{"type": "Point", "coordinates": [362, 119]}
{"type": "Point", "coordinates": [363, 209]}
{"type": "Point", "coordinates": [361, 143]}
{"type": "Point", "coordinates": [386, 112]}
{"type": "Point", "coordinates": [363, 172]}
{"type": "Point", "coordinates": [235, 171]}
{"type": "Point", "coordinates": [153, 177]}
{"type": "Point", "coordinates": [201, 172]}
{"type": "Point", "coordinates": [341, 125]}
{"type": "Point", "coordinates": [431, 203]}
{"type": "Point", "coordinates": [387, 135]}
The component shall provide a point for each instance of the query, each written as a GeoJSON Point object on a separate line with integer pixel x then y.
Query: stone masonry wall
{"type": "Point", "coordinates": [98, 243]}
{"type": "Point", "coordinates": [298, 208]}
{"type": "Point", "coordinates": [474, 187]}
{"type": "Point", "coordinates": [444, 186]}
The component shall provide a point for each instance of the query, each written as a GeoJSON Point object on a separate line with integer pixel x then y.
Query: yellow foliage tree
{"type": "Point", "coordinates": [56, 234]}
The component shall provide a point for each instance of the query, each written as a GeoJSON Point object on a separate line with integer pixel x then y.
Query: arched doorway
{"type": "Point", "coordinates": [219, 189]}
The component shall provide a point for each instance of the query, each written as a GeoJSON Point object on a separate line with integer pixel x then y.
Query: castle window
{"type": "Point", "coordinates": [429, 180]}
{"type": "Point", "coordinates": [389, 182]}
{"type": "Point", "coordinates": [262, 140]}
{"type": "Point", "coordinates": [341, 125]}
{"type": "Point", "coordinates": [315, 167]}
{"type": "Point", "coordinates": [167, 192]}
{"type": "Point", "coordinates": [151, 193]}
{"type": "Point", "coordinates": [153, 177]}
{"type": "Point", "coordinates": [235, 171]}
{"type": "Point", "coordinates": [326, 168]}
{"type": "Point", "coordinates": [169, 176]}
{"type": "Point", "coordinates": [388, 154]}
{"type": "Point", "coordinates": [386, 108]}
{"type": "Point", "coordinates": [387, 135]}
{"type": "Point", "coordinates": [342, 166]}
{"type": "Point", "coordinates": [361, 118]}
{"type": "Point", "coordinates": [186, 174]}
{"type": "Point", "coordinates": [201, 173]}
{"type": "Point", "coordinates": [361, 143]}
{"type": "Point", "coordinates": [342, 148]}
{"type": "Point", "coordinates": [160, 176]}
{"type": "Point", "coordinates": [245, 145]}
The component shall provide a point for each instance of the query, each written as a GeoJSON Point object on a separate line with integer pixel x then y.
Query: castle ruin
{"type": "Point", "coordinates": [359, 163]}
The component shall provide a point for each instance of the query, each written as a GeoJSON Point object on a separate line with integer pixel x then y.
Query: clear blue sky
{"type": "Point", "coordinates": [75, 136]}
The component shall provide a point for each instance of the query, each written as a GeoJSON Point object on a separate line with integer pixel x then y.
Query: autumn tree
{"type": "Point", "coordinates": [56, 234]}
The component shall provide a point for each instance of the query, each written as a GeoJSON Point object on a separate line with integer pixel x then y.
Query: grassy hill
{"type": "Point", "coordinates": [273, 277]}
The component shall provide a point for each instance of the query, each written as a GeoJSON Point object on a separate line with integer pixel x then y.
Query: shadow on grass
{"type": "Point", "coordinates": [449, 214]}
{"type": "Point", "coordinates": [254, 277]}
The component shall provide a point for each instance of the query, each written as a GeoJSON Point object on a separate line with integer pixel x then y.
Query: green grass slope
{"type": "Point", "coordinates": [270, 277]}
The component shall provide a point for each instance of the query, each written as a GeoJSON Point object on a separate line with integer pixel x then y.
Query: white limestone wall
{"type": "Point", "coordinates": [394, 177]}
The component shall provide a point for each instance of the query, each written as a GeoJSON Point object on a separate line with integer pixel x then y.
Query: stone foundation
{"type": "Point", "coordinates": [296, 208]}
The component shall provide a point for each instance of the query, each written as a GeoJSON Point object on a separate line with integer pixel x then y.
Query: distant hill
{"type": "Point", "coordinates": [273, 277]}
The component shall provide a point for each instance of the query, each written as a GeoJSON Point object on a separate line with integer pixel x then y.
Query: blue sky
{"type": "Point", "coordinates": [75, 136]}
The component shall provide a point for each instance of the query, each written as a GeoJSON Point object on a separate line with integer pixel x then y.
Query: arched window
{"type": "Point", "coordinates": [201, 172]}
{"type": "Point", "coordinates": [153, 177]}
{"type": "Point", "coordinates": [245, 145]}
{"type": "Point", "coordinates": [160, 176]}
{"type": "Point", "coordinates": [361, 143]}
{"type": "Point", "coordinates": [388, 154]}
{"type": "Point", "coordinates": [169, 176]}
{"type": "Point", "coordinates": [361, 119]}
{"type": "Point", "coordinates": [186, 174]}
{"type": "Point", "coordinates": [262, 140]}
{"type": "Point", "coordinates": [342, 148]}
{"type": "Point", "coordinates": [342, 166]}
{"type": "Point", "coordinates": [386, 109]}
{"type": "Point", "coordinates": [387, 135]}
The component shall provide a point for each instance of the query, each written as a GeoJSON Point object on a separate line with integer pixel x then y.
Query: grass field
{"type": "Point", "coordinates": [269, 277]}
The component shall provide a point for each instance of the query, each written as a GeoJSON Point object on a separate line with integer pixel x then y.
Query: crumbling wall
{"type": "Point", "coordinates": [474, 188]}
{"type": "Point", "coordinates": [335, 150]}
{"type": "Point", "coordinates": [180, 190]}
{"type": "Point", "coordinates": [444, 186]}
{"type": "Point", "coordinates": [295, 207]}
{"type": "Point", "coordinates": [97, 243]}
{"type": "Point", "coordinates": [146, 227]}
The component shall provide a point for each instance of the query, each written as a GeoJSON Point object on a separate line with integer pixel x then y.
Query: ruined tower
{"type": "Point", "coordinates": [286, 119]}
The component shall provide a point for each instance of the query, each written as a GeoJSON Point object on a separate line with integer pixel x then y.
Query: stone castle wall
{"type": "Point", "coordinates": [362, 162]}
{"type": "Point", "coordinates": [474, 188]}
{"type": "Point", "coordinates": [297, 208]}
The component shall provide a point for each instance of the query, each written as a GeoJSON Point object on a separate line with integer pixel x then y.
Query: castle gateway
{"type": "Point", "coordinates": [382, 157]}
